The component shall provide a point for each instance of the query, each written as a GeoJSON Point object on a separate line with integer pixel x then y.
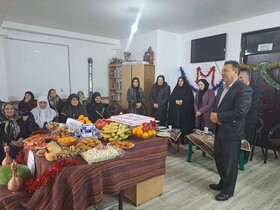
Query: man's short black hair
{"type": "Point", "coordinates": [234, 64]}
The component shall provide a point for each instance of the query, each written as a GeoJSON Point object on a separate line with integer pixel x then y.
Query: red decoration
{"type": "Point", "coordinates": [200, 73]}
{"type": "Point", "coordinates": [33, 184]}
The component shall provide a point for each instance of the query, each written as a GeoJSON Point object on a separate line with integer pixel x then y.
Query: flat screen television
{"type": "Point", "coordinates": [212, 48]}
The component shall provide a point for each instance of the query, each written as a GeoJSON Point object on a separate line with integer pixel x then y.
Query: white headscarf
{"type": "Point", "coordinates": [43, 115]}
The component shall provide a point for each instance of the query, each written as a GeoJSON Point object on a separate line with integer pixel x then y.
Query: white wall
{"type": "Point", "coordinates": [3, 78]}
{"type": "Point", "coordinates": [81, 47]}
{"type": "Point", "coordinates": [138, 45]}
{"type": "Point", "coordinates": [165, 46]}
{"type": "Point", "coordinates": [233, 46]}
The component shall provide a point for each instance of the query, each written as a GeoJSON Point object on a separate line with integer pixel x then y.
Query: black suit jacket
{"type": "Point", "coordinates": [232, 111]}
{"type": "Point", "coordinates": [252, 114]}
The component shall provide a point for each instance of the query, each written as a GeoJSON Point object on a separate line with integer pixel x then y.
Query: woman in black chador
{"type": "Point", "coordinates": [181, 110]}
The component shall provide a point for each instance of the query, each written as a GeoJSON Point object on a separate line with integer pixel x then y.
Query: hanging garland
{"type": "Point", "coordinates": [263, 70]}
{"type": "Point", "coordinates": [200, 73]}
{"type": "Point", "coordinates": [264, 66]}
{"type": "Point", "coordinates": [215, 87]}
{"type": "Point", "coordinates": [269, 80]}
{"type": "Point", "coordinates": [33, 184]}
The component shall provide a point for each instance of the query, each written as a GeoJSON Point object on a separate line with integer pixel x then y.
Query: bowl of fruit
{"type": "Point", "coordinates": [146, 130]}
{"type": "Point", "coordinates": [67, 141]}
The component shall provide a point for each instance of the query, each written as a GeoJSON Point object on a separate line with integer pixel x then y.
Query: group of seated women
{"type": "Point", "coordinates": [180, 109]}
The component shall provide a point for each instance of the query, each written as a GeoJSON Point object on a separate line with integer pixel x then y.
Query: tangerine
{"type": "Point", "coordinates": [154, 132]}
{"type": "Point", "coordinates": [81, 117]}
{"type": "Point", "coordinates": [134, 131]}
{"type": "Point", "coordinates": [150, 132]}
{"type": "Point", "coordinates": [145, 135]}
{"type": "Point", "coordinates": [139, 132]}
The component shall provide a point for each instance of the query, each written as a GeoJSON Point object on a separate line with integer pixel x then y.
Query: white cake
{"type": "Point", "coordinates": [132, 119]}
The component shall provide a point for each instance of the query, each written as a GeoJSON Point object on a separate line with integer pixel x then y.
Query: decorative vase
{"type": "Point", "coordinates": [16, 182]}
{"type": "Point", "coordinates": [7, 160]}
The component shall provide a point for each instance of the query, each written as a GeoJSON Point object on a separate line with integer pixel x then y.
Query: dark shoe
{"type": "Point", "coordinates": [222, 196]}
{"type": "Point", "coordinates": [215, 187]}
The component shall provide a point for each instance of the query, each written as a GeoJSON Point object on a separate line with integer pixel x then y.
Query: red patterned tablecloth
{"type": "Point", "coordinates": [80, 186]}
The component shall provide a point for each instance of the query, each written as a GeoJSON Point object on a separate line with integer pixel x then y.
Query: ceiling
{"type": "Point", "coordinates": [113, 18]}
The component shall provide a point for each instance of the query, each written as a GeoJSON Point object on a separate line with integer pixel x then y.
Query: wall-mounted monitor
{"type": "Point", "coordinates": [212, 48]}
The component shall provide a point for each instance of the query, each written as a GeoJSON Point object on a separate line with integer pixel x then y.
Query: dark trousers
{"type": "Point", "coordinates": [249, 130]}
{"type": "Point", "coordinates": [226, 154]}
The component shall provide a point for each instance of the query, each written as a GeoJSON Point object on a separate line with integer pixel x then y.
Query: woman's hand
{"type": "Point", "coordinates": [155, 106]}
{"type": "Point", "coordinates": [198, 113]}
{"type": "Point", "coordinates": [179, 102]}
{"type": "Point", "coordinates": [138, 105]}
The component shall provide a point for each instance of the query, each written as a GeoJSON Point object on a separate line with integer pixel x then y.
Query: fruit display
{"type": "Point", "coordinates": [85, 143]}
{"type": "Point", "coordinates": [66, 141]}
{"type": "Point", "coordinates": [115, 132]}
{"type": "Point", "coordinates": [100, 123]}
{"type": "Point", "coordinates": [84, 119]}
{"type": "Point", "coordinates": [145, 130]}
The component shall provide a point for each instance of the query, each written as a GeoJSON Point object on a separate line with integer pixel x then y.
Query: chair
{"type": "Point", "coordinates": [273, 141]}
{"type": "Point", "coordinates": [257, 136]}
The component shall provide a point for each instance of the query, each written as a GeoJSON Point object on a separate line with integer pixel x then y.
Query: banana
{"type": "Point", "coordinates": [110, 131]}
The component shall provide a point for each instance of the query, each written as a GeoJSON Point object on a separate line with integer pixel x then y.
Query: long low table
{"type": "Point", "coordinates": [80, 186]}
{"type": "Point", "coordinates": [206, 143]}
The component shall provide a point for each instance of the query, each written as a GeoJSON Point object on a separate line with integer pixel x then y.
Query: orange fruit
{"type": "Point", "coordinates": [139, 132]}
{"type": "Point", "coordinates": [81, 117]}
{"type": "Point", "coordinates": [150, 132]}
{"type": "Point", "coordinates": [134, 131]}
{"type": "Point", "coordinates": [154, 132]}
{"type": "Point", "coordinates": [145, 135]}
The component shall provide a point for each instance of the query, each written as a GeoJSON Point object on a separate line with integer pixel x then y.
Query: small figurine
{"type": "Point", "coordinates": [16, 182]}
{"type": "Point", "coordinates": [7, 160]}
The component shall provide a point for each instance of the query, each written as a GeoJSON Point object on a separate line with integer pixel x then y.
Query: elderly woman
{"type": "Point", "coordinates": [82, 98]}
{"type": "Point", "coordinates": [72, 109]}
{"type": "Point", "coordinates": [12, 131]}
{"type": "Point", "coordinates": [135, 97]}
{"type": "Point", "coordinates": [96, 109]}
{"type": "Point", "coordinates": [41, 115]}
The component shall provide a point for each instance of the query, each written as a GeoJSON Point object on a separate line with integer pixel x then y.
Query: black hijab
{"type": "Point", "coordinates": [136, 88]}
{"type": "Point", "coordinates": [201, 92]}
{"type": "Point", "coordinates": [99, 108]}
{"type": "Point", "coordinates": [73, 111]}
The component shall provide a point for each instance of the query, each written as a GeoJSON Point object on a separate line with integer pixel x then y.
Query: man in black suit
{"type": "Point", "coordinates": [233, 101]}
{"type": "Point", "coordinates": [252, 115]}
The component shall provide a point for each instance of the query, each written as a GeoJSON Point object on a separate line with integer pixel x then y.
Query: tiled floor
{"type": "Point", "coordinates": [186, 185]}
